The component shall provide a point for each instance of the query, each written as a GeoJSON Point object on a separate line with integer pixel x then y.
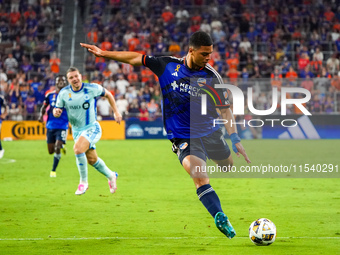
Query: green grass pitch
{"type": "Point", "coordinates": [156, 210]}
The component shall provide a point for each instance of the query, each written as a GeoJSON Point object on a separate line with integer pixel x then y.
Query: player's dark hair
{"type": "Point", "coordinates": [72, 69]}
{"type": "Point", "coordinates": [199, 39]}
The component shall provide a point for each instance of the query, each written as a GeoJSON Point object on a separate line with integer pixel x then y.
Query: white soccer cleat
{"type": "Point", "coordinates": [53, 174]}
{"type": "Point", "coordinates": [82, 187]}
{"type": "Point", "coordinates": [113, 183]}
{"type": "Point", "coordinates": [2, 153]}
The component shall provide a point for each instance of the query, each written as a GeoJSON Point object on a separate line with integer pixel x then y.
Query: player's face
{"type": "Point", "coordinates": [74, 78]}
{"type": "Point", "coordinates": [202, 55]}
{"type": "Point", "coordinates": [60, 82]}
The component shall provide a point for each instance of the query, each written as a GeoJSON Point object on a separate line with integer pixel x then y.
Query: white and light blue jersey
{"type": "Point", "coordinates": [80, 105]}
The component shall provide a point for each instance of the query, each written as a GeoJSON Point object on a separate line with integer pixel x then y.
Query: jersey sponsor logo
{"type": "Point", "coordinates": [186, 88]}
{"type": "Point", "coordinates": [86, 105]}
{"type": "Point", "coordinates": [75, 107]}
{"type": "Point", "coordinates": [183, 146]}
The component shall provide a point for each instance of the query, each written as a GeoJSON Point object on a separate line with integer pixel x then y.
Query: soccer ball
{"type": "Point", "coordinates": [262, 232]}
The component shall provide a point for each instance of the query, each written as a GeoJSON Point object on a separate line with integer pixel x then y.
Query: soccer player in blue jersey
{"type": "Point", "coordinates": [4, 105]}
{"type": "Point", "coordinates": [79, 100]}
{"type": "Point", "coordinates": [193, 141]}
{"type": "Point", "coordinates": [56, 127]}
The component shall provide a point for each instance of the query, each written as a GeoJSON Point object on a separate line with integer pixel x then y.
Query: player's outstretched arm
{"type": "Point", "coordinates": [42, 112]}
{"type": "Point", "coordinates": [235, 139]}
{"type": "Point", "coordinates": [57, 112]}
{"type": "Point", "coordinates": [117, 115]}
{"type": "Point", "coordinates": [129, 57]}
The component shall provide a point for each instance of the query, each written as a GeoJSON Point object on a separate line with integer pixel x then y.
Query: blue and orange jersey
{"type": "Point", "coordinates": [182, 88]}
{"type": "Point", "coordinates": [53, 122]}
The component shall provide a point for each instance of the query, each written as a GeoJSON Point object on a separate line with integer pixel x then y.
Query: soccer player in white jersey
{"type": "Point", "coordinates": [78, 99]}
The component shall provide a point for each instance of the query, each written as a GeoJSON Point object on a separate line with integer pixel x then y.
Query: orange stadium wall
{"type": "Point", "coordinates": [34, 130]}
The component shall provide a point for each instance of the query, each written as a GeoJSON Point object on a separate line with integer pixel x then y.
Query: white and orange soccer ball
{"type": "Point", "coordinates": [262, 232]}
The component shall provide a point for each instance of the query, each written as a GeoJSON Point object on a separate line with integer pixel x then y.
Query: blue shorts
{"type": "Point", "coordinates": [54, 135]}
{"type": "Point", "coordinates": [212, 146]}
{"type": "Point", "coordinates": [92, 134]}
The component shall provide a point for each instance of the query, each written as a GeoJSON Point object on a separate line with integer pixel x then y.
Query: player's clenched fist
{"type": "Point", "coordinates": [57, 112]}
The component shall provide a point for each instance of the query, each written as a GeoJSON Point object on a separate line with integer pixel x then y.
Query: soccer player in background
{"type": "Point", "coordinates": [78, 99]}
{"type": "Point", "coordinates": [56, 127]}
{"type": "Point", "coordinates": [4, 105]}
{"type": "Point", "coordinates": [192, 141]}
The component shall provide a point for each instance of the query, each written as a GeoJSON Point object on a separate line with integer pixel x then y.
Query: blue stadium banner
{"type": "Point", "coordinates": [136, 129]}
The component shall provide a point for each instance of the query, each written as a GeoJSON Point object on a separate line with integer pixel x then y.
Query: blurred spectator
{"type": "Point", "coordinates": [336, 82]}
{"type": "Point", "coordinates": [14, 94]}
{"type": "Point", "coordinates": [333, 64]}
{"type": "Point", "coordinates": [109, 83]}
{"type": "Point", "coordinates": [134, 108]}
{"type": "Point", "coordinates": [104, 108]}
{"type": "Point", "coordinates": [276, 78]}
{"type": "Point", "coordinates": [152, 109]}
{"type": "Point", "coordinates": [3, 81]}
{"type": "Point", "coordinates": [92, 36]}
{"type": "Point", "coordinates": [303, 61]}
{"type": "Point", "coordinates": [90, 64]}
{"type": "Point", "coordinates": [245, 44]}
{"type": "Point", "coordinates": [315, 104]}
{"type": "Point", "coordinates": [26, 65]}
{"type": "Point", "coordinates": [11, 66]}
{"type": "Point", "coordinates": [122, 105]}
{"type": "Point", "coordinates": [106, 73]}
{"type": "Point", "coordinates": [329, 105]}
{"type": "Point", "coordinates": [133, 78]}
{"type": "Point", "coordinates": [131, 93]}
{"type": "Point", "coordinates": [143, 112]}
{"type": "Point", "coordinates": [113, 67]}
{"type": "Point", "coordinates": [308, 83]}
{"type": "Point", "coordinates": [30, 108]}
{"type": "Point", "coordinates": [101, 65]}
{"type": "Point", "coordinates": [14, 112]}
{"type": "Point", "coordinates": [54, 63]}
{"type": "Point", "coordinates": [205, 27]}
{"type": "Point", "coordinates": [122, 84]}
{"type": "Point", "coordinates": [35, 84]}
{"type": "Point", "coordinates": [39, 96]}
{"type": "Point", "coordinates": [291, 76]}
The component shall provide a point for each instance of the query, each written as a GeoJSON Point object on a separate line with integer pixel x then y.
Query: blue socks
{"type": "Point", "coordinates": [209, 199]}
{"type": "Point", "coordinates": [102, 168]}
{"type": "Point", "coordinates": [56, 159]}
{"type": "Point", "coordinates": [82, 166]}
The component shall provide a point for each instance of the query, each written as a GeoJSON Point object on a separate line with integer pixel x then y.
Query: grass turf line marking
{"type": "Point", "coordinates": [7, 161]}
{"type": "Point", "coordinates": [151, 238]}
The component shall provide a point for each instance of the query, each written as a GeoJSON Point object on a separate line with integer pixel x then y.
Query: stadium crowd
{"type": "Point", "coordinates": [257, 43]}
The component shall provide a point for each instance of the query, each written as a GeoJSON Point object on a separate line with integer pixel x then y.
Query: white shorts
{"type": "Point", "coordinates": [92, 134]}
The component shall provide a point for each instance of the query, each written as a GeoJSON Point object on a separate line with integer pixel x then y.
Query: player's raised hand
{"type": "Point", "coordinates": [242, 151]}
{"type": "Point", "coordinates": [93, 49]}
{"type": "Point", "coordinates": [118, 117]}
{"type": "Point", "coordinates": [57, 112]}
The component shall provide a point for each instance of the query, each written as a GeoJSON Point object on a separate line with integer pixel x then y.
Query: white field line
{"type": "Point", "coordinates": [152, 238]}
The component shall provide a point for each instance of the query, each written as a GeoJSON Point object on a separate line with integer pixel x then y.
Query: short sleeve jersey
{"type": "Point", "coordinates": [53, 122]}
{"type": "Point", "coordinates": [181, 89]}
{"type": "Point", "coordinates": [80, 105]}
